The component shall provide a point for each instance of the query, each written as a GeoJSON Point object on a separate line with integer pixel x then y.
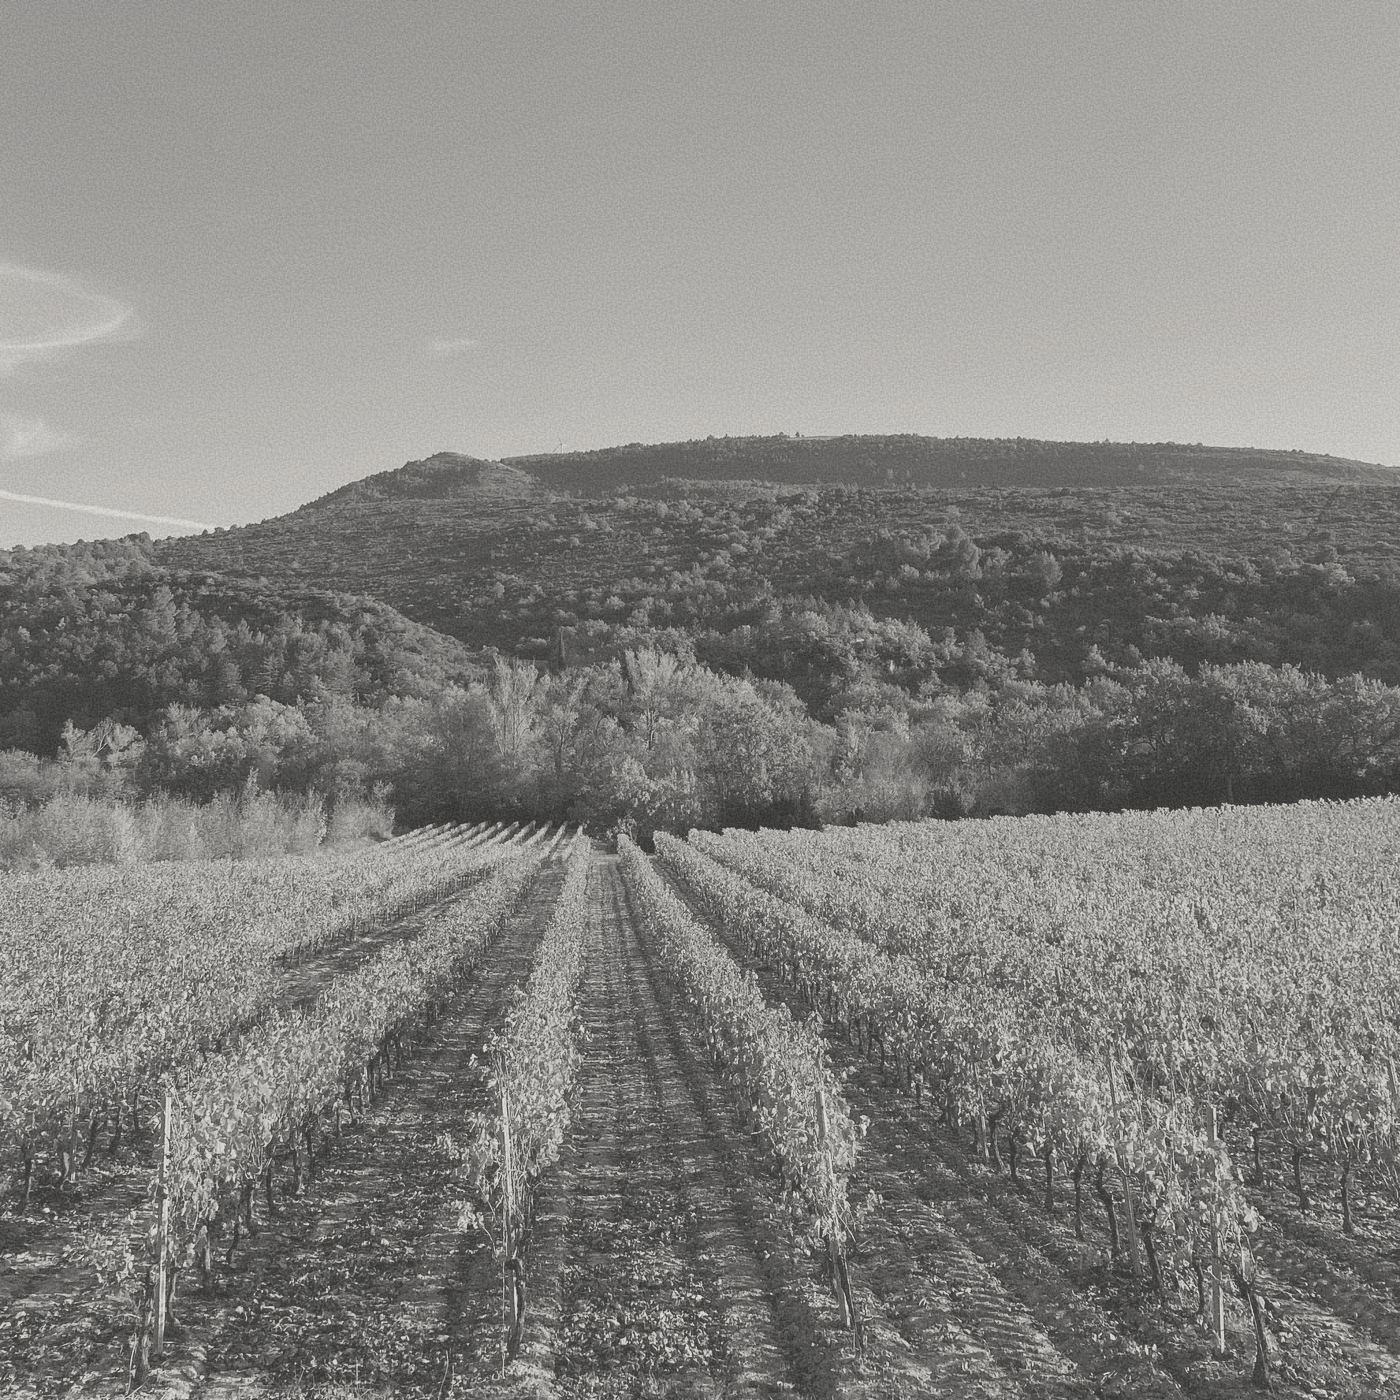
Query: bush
{"type": "Point", "coordinates": [71, 829]}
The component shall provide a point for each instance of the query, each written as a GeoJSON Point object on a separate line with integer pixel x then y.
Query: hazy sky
{"type": "Point", "coordinates": [249, 252]}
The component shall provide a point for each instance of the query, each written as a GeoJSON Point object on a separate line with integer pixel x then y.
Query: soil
{"type": "Point", "coordinates": [1329, 1298]}
{"type": "Point", "coordinates": [59, 1317]}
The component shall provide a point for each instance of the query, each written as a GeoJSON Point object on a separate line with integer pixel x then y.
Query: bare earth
{"type": "Point", "coordinates": [661, 1262]}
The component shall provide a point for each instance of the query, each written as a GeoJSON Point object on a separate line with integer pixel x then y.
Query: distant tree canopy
{"type": "Point", "coordinates": [1045, 582]}
{"type": "Point", "coordinates": [736, 654]}
{"type": "Point", "coordinates": [98, 631]}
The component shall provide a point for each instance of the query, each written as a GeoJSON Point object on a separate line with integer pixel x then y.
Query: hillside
{"type": "Point", "coordinates": [892, 460]}
{"type": "Point", "coordinates": [440, 477]}
{"type": "Point", "coordinates": [725, 652]}
{"type": "Point", "coordinates": [1281, 557]}
{"type": "Point", "coordinates": [912, 461]}
{"type": "Point", "coordinates": [92, 631]}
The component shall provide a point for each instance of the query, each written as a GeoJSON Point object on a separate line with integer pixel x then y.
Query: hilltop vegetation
{"type": "Point", "coordinates": [706, 652]}
{"type": "Point", "coordinates": [979, 583]}
{"type": "Point", "coordinates": [907, 459]}
{"type": "Point", "coordinates": [884, 460]}
{"type": "Point", "coordinates": [439, 477]}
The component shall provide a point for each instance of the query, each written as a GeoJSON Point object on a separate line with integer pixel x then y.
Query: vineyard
{"type": "Point", "coordinates": [1033, 1107]}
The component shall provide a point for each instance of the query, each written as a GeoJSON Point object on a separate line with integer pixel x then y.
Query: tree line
{"type": "Point", "coordinates": [121, 677]}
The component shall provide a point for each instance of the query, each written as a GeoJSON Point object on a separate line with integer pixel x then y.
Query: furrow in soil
{"type": "Point", "coordinates": [365, 1276]}
{"type": "Point", "coordinates": [662, 1277]}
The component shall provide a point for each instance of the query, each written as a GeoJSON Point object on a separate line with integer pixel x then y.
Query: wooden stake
{"type": "Point", "coordinates": [163, 1230]}
{"type": "Point", "coordinates": [508, 1227]}
{"type": "Point", "coordinates": [840, 1284]}
{"type": "Point", "coordinates": [506, 1167]}
{"type": "Point", "coordinates": [1129, 1215]}
{"type": "Point", "coordinates": [1217, 1290]}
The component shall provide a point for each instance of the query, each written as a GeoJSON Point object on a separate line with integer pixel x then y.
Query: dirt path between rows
{"type": "Point", "coordinates": [58, 1323]}
{"type": "Point", "coordinates": [660, 1265]}
{"type": "Point", "coordinates": [302, 983]}
{"type": "Point", "coordinates": [986, 1314]}
{"type": "Point", "coordinates": [365, 1276]}
{"type": "Point", "coordinates": [1121, 1339]}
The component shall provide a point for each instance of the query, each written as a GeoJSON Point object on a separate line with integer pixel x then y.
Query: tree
{"type": "Point", "coordinates": [510, 693]}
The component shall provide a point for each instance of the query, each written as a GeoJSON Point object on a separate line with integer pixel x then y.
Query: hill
{"type": "Point", "coordinates": [96, 631]}
{"type": "Point", "coordinates": [734, 650]}
{"type": "Point", "coordinates": [1221, 555]}
{"type": "Point", "coordinates": [909, 460]}
{"type": "Point", "coordinates": [443, 476]}
{"type": "Point", "coordinates": [894, 460]}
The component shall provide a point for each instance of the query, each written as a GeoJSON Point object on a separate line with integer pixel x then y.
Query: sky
{"type": "Point", "coordinates": [250, 252]}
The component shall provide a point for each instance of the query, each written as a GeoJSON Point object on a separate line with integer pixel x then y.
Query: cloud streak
{"type": "Point", "coordinates": [44, 313]}
{"type": "Point", "coordinates": [28, 437]}
{"type": "Point", "coordinates": [446, 349]}
{"type": "Point", "coordinates": [107, 511]}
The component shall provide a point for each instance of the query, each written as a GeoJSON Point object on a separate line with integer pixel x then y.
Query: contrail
{"type": "Point", "coordinates": [107, 510]}
{"type": "Point", "coordinates": [42, 312]}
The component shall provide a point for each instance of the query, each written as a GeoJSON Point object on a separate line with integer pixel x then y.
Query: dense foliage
{"type": "Point", "coordinates": [655, 740]}
{"type": "Point", "coordinates": [680, 653]}
{"type": "Point", "coordinates": [118, 975]}
{"type": "Point", "coordinates": [100, 631]}
{"type": "Point", "coordinates": [1134, 996]}
{"type": "Point", "coordinates": [1037, 582]}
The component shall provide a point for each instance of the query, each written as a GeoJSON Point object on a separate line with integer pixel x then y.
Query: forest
{"type": "Point", "coordinates": [1094, 681]}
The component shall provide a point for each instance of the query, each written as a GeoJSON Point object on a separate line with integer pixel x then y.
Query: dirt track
{"type": "Point", "coordinates": [1023, 1290]}
{"type": "Point", "coordinates": [58, 1326]}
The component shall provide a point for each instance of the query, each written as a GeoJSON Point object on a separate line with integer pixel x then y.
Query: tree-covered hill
{"type": "Point", "coordinates": [1046, 582]}
{"type": "Point", "coordinates": [678, 649]}
{"type": "Point", "coordinates": [97, 631]}
{"type": "Point", "coordinates": [443, 476]}
{"type": "Point", "coordinates": [890, 460]}
{"type": "Point", "coordinates": [906, 459]}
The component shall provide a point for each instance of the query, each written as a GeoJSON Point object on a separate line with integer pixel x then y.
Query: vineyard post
{"type": "Point", "coordinates": [1129, 1215]}
{"type": "Point", "coordinates": [832, 1248]}
{"type": "Point", "coordinates": [1394, 1086]}
{"type": "Point", "coordinates": [163, 1228]}
{"type": "Point", "coordinates": [1217, 1290]}
{"type": "Point", "coordinates": [1395, 1101]}
{"type": "Point", "coordinates": [71, 1156]}
{"type": "Point", "coordinates": [507, 1213]}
